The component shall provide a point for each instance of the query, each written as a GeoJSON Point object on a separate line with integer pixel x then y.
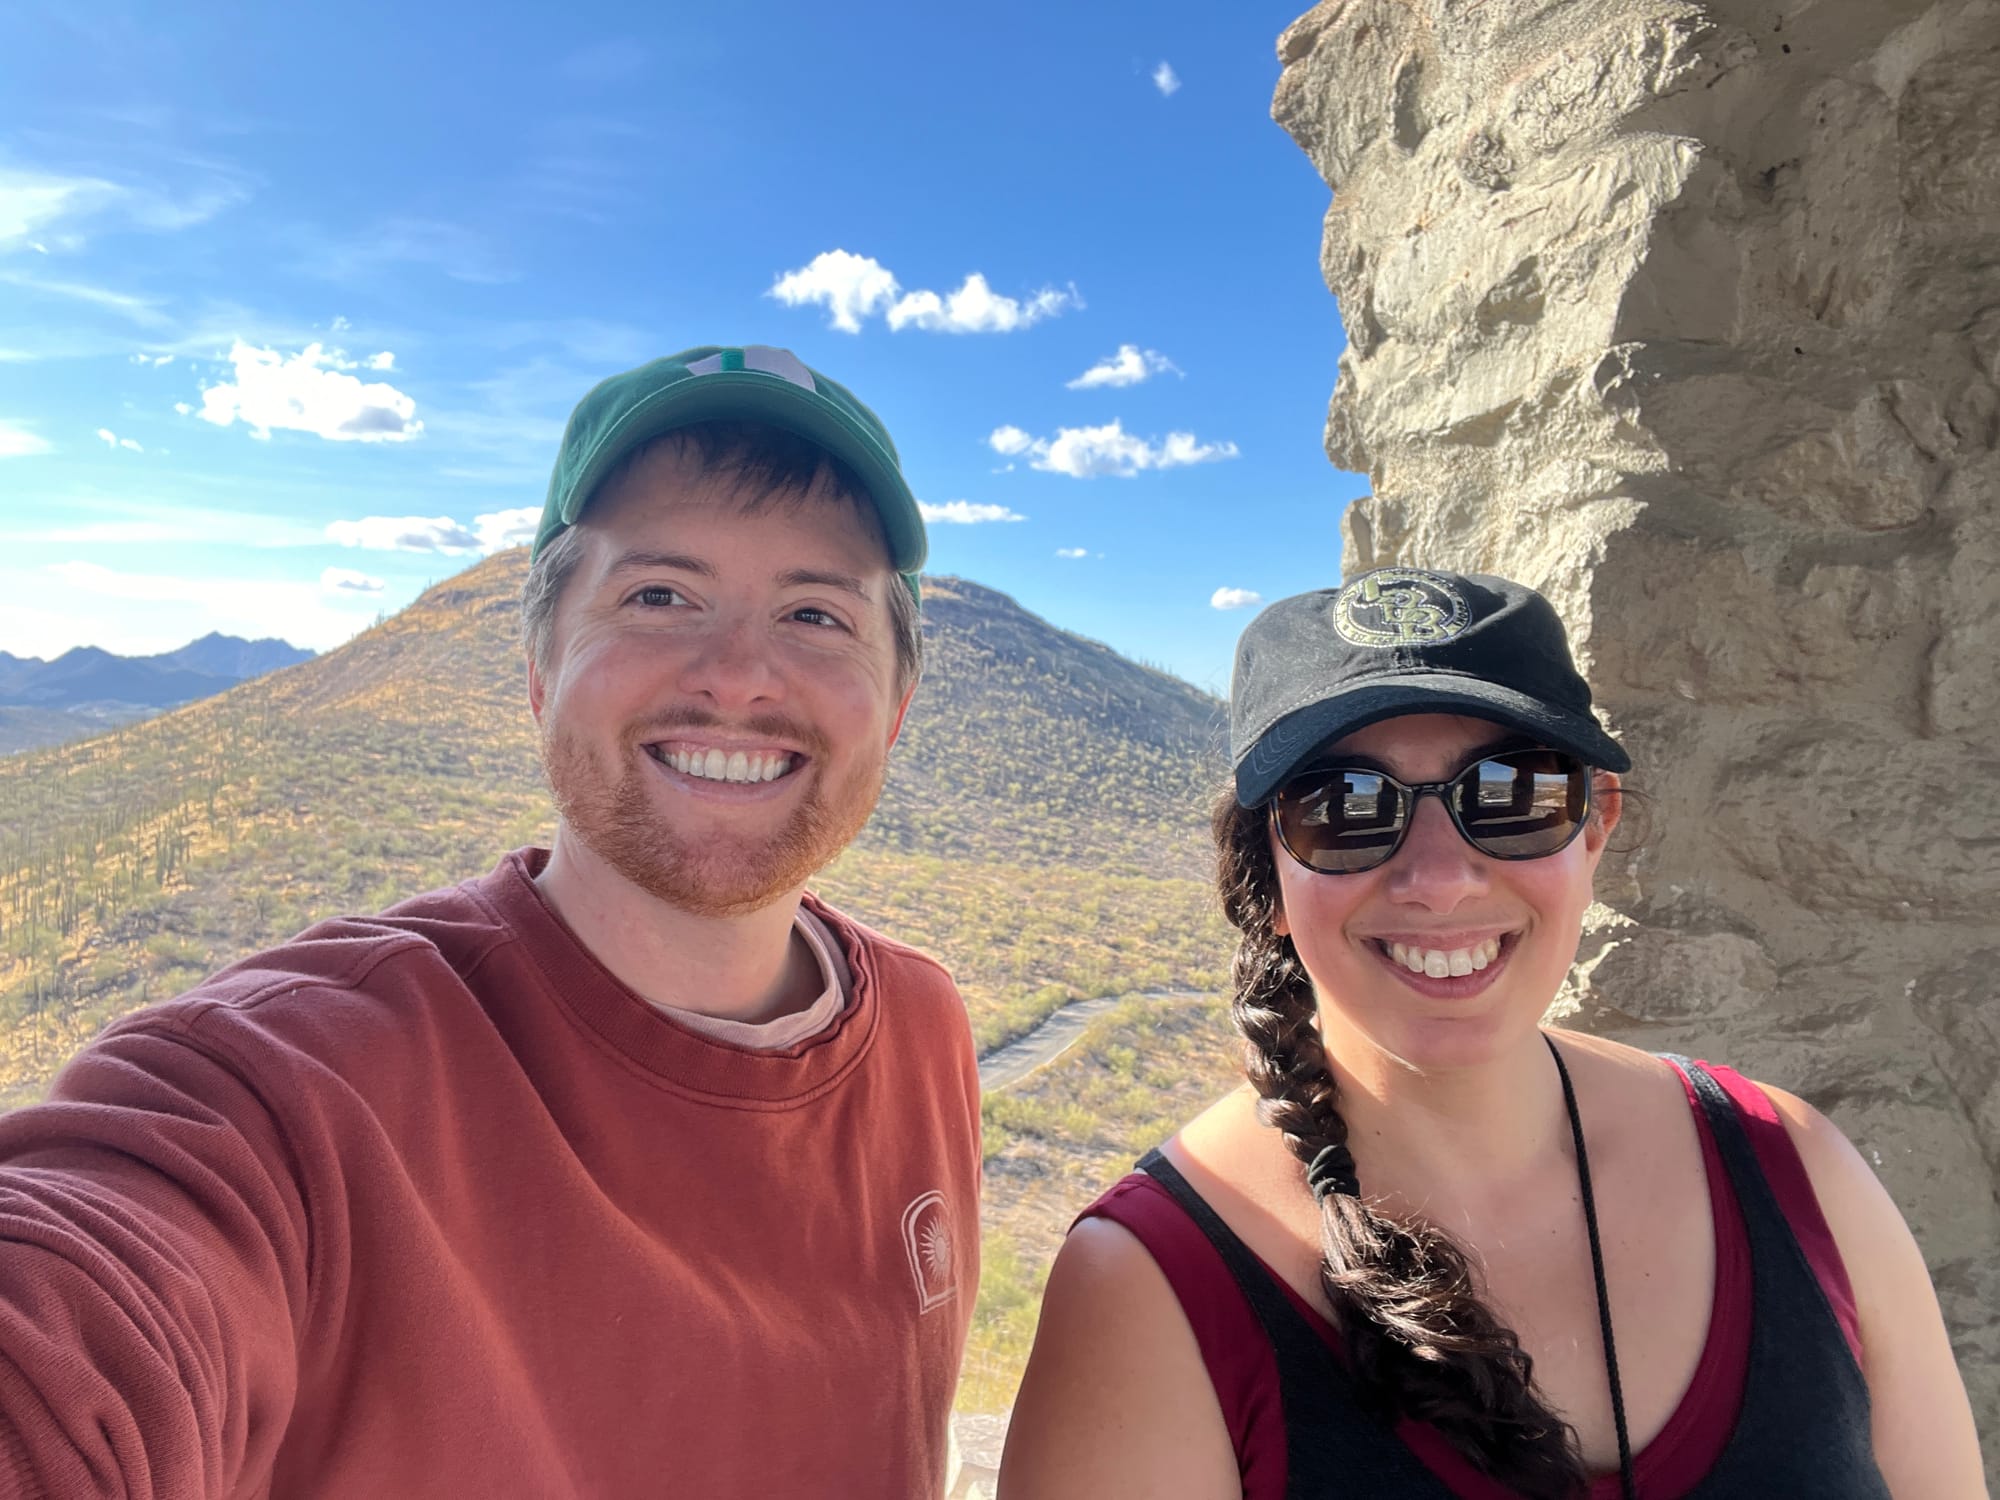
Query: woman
{"type": "Point", "coordinates": [1432, 1249]}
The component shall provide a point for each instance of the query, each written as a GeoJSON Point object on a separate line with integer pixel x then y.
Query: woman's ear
{"type": "Point", "coordinates": [1607, 806]}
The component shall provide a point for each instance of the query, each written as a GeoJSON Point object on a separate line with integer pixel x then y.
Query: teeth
{"type": "Point", "coordinates": [734, 765]}
{"type": "Point", "coordinates": [1439, 964]}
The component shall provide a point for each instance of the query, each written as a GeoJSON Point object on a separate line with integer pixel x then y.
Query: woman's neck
{"type": "Point", "coordinates": [1472, 1136]}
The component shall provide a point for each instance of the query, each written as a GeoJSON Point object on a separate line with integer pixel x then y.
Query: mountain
{"type": "Point", "coordinates": [1042, 827]}
{"type": "Point", "coordinates": [87, 689]}
{"type": "Point", "coordinates": [233, 657]}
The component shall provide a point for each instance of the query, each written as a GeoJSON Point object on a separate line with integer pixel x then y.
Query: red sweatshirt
{"type": "Point", "coordinates": [428, 1205]}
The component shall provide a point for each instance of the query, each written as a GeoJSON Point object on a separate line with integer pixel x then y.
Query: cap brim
{"type": "Point", "coordinates": [1293, 741]}
{"type": "Point", "coordinates": [731, 395]}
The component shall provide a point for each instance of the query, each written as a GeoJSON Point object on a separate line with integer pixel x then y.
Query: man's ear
{"type": "Point", "coordinates": [536, 690]}
{"type": "Point", "coordinates": [896, 729]}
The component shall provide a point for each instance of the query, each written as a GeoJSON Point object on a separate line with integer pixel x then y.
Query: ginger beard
{"type": "Point", "coordinates": [614, 812]}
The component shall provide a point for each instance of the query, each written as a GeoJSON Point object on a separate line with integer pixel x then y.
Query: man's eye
{"type": "Point", "coordinates": [659, 596]}
{"type": "Point", "coordinates": [814, 616]}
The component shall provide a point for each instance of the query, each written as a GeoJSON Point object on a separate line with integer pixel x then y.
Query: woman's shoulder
{"type": "Point", "coordinates": [1116, 1398]}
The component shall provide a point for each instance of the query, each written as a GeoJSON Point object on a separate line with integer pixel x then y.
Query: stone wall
{"type": "Point", "coordinates": [1690, 317]}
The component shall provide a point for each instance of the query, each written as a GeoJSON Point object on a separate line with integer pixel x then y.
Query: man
{"type": "Point", "coordinates": [626, 1169]}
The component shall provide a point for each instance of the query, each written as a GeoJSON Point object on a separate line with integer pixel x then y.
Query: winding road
{"type": "Point", "coordinates": [1056, 1035]}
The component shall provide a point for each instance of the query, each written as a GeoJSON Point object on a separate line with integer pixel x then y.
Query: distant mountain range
{"type": "Point", "coordinates": [87, 690]}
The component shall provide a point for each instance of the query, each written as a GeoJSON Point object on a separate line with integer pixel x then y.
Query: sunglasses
{"type": "Point", "coordinates": [1519, 804]}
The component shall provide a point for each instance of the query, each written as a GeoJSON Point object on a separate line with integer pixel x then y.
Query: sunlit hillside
{"type": "Point", "coordinates": [1042, 832]}
{"type": "Point", "coordinates": [1041, 829]}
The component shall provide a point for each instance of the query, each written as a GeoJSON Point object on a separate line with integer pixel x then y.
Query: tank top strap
{"type": "Point", "coordinates": [1332, 1446]}
{"type": "Point", "coordinates": [1804, 1424]}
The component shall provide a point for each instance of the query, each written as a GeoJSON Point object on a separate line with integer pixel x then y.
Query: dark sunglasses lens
{"type": "Point", "coordinates": [1340, 821]}
{"type": "Point", "coordinates": [1524, 804]}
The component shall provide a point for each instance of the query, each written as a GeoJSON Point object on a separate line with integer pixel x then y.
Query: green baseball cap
{"type": "Point", "coordinates": [715, 383]}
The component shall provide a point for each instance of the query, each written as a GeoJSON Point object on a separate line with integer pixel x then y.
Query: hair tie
{"type": "Point", "coordinates": [1332, 1171]}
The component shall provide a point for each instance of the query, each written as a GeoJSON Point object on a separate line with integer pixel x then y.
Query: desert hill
{"type": "Point", "coordinates": [1041, 829]}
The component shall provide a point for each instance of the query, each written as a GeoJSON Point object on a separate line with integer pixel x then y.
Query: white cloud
{"type": "Point", "coordinates": [976, 308]}
{"type": "Point", "coordinates": [383, 361]}
{"type": "Point", "coordinates": [1094, 452]}
{"type": "Point", "coordinates": [113, 440]}
{"type": "Point", "coordinates": [507, 528]}
{"type": "Point", "coordinates": [347, 581]}
{"type": "Point", "coordinates": [850, 287]}
{"type": "Point", "coordinates": [1165, 79]}
{"type": "Point", "coordinates": [488, 533]}
{"type": "Point", "coordinates": [966, 513]}
{"type": "Point", "coordinates": [308, 392]}
{"type": "Point", "coordinates": [1072, 552]}
{"type": "Point", "coordinates": [403, 534]}
{"type": "Point", "coordinates": [1128, 366]}
{"type": "Point", "coordinates": [855, 287]}
{"type": "Point", "coordinates": [1234, 598]}
{"type": "Point", "coordinates": [154, 360]}
{"type": "Point", "coordinates": [183, 408]}
{"type": "Point", "coordinates": [17, 442]}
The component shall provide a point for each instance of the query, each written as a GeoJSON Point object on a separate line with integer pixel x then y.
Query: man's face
{"type": "Point", "coordinates": [721, 690]}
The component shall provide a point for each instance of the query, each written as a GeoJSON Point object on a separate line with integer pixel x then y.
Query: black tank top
{"type": "Point", "coordinates": [1803, 1429]}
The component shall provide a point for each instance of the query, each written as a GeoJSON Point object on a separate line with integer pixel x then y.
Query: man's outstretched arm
{"type": "Point", "coordinates": [153, 1275]}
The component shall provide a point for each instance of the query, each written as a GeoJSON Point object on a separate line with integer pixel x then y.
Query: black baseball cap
{"type": "Point", "coordinates": [1316, 666]}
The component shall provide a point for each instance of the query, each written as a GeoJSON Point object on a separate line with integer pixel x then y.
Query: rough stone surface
{"type": "Point", "coordinates": [1689, 315]}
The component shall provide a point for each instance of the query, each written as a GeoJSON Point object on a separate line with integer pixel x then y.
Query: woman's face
{"type": "Point", "coordinates": [1357, 934]}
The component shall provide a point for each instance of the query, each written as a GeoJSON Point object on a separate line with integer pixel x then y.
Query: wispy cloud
{"type": "Point", "coordinates": [1071, 554]}
{"type": "Point", "coordinates": [1165, 79]}
{"type": "Point", "coordinates": [17, 441]}
{"type": "Point", "coordinates": [34, 205]}
{"type": "Point", "coordinates": [300, 612]}
{"type": "Point", "coordinates": [459, 252]}
{"type": "Point", "coordinates": [1234, 598]}
{"type": "Point", "coordinates": [140, 310]}
{"type": "Point", "coordinates": [308, 392]}
{"type": "Point", "coordinates": [32, 201]}
{"type": "Point", "coordinates": [112, 440]}
{"type": "Point", "coordinates": [855, 287]}
{"type": "Point", "coordinates": [1128, 366]}
{"type": "Point", "coordinates": [1109, 450]}
{"type": "Point", "coordinates": [966, 513]}
{"type": "Point", "coordinates": [584, 167]}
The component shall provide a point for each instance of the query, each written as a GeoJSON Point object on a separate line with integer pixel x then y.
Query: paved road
{"type": "Point", "coordinates": [1055, 1036]}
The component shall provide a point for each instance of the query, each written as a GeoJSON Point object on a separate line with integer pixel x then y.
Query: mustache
{"type": "Point", "coordinates": [767, 726]}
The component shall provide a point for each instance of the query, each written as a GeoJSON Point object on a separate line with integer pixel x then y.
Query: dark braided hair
{"type": "Point", "coordinates": [1422, 1343]}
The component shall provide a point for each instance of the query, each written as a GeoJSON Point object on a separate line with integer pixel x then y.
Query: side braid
{"type": "Point", "coordinates": [1422, 1343]}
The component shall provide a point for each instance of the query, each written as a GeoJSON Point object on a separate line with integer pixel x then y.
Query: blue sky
{"type": "Point", "coordinates": [294, 300]}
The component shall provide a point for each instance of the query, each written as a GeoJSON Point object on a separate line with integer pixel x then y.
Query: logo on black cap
{"type": "Point", "coordinates": [1400, 607]}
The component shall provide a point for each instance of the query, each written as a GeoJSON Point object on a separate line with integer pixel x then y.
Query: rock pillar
{"type": "Point", "coordinates": [1689, 316]}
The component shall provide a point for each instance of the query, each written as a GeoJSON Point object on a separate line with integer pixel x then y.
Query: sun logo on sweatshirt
{"type": "Point", "coordinates": [927, 1240]}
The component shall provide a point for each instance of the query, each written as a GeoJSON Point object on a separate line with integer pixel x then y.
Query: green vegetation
{"type": "Point", "coordinates": [1060, 1137]}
